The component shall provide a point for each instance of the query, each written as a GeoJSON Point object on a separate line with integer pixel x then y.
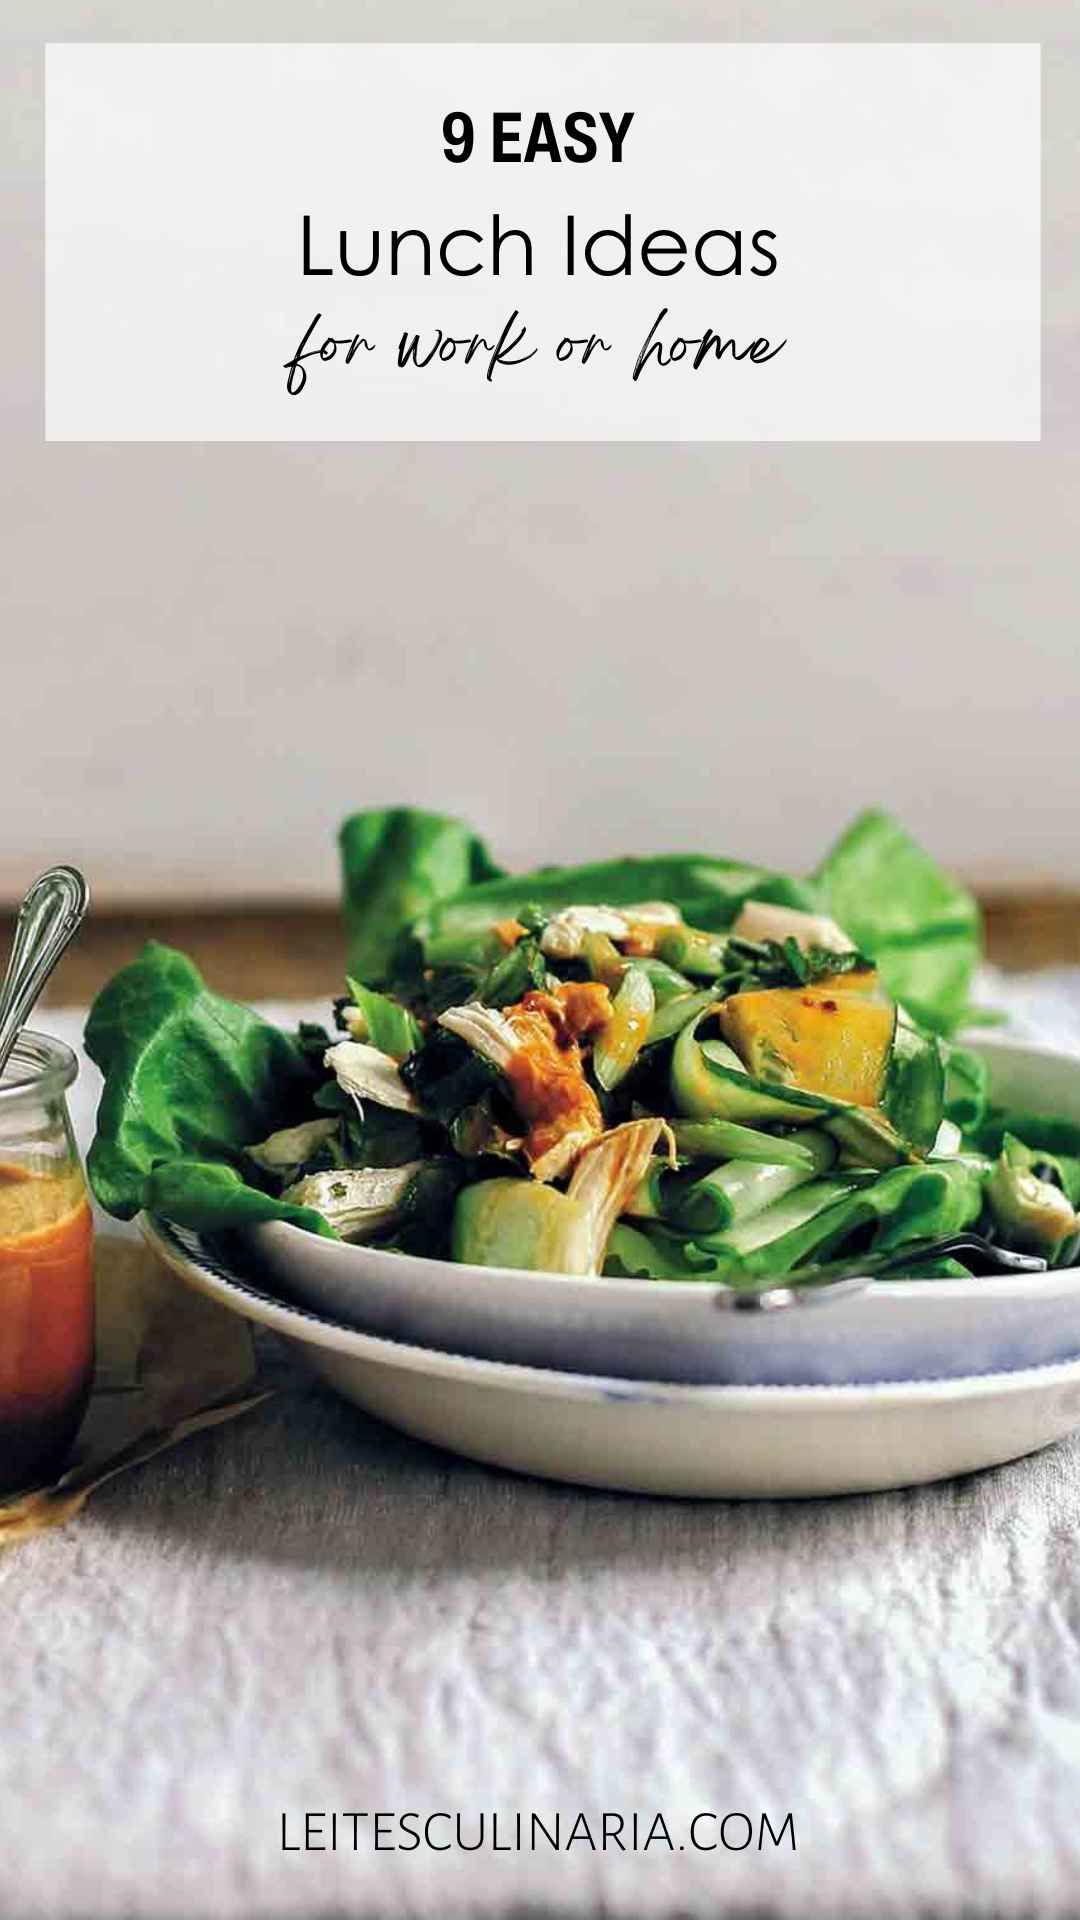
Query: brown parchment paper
{"type": "Point", "coordinates": [169, 1363]}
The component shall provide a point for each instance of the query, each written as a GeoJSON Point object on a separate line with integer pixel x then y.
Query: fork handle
{"type": "Point", "coordinates": [51, 914]}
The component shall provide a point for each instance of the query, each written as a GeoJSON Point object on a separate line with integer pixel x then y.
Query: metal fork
{"type": "Point", "coordinates": [839, 1279]}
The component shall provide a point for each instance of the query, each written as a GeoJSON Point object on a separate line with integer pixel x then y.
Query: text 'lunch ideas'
{"type": "Point", "coordinates": [498, 246]}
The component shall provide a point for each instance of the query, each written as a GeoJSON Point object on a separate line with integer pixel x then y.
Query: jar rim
{"type": "Point", "coordinates": [38, 1064]}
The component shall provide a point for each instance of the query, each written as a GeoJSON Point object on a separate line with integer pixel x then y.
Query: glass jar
{"type": "Point", "coordinates": [46, 1266]}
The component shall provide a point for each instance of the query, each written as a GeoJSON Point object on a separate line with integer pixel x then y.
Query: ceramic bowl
{"type": "Point", "coordinates": [686, 1331]}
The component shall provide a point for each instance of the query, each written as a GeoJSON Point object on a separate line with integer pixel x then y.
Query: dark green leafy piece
{"type": "Point", "coordinates": [428, 1213]}
{"type": "Point", "coordinates": [513, 975]}
{"type": "Point", "coordinates": [447, 1076]}
{"type": "Point", "coordinates": [381, 1137]}
{"type": "Point", "coordinates": [476, 1132]}
{"type": "Point", "coordinates": [451, 987]}
{"type": "Point", "coordinates": [313, 1041]}
{"type": "Point", "coordinates": [753, 964]}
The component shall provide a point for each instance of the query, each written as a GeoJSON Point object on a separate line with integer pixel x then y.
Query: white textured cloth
{"type": "Point", "coordinates": [304, 1612]}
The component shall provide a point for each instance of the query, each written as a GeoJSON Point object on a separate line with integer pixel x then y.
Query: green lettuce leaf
{"type": "Point", "coordinates": [707, 892]}
{"type": "Point", "coordinates": [967, 1081]}
{"type": "Point", "coordinates": [634, 1254]}
{"type": "Point", "coordinates": [396, 863]}
{"type": "Point", "coordinates": [920, 925]}
{"type": "Point", "coordinates": [1050, 1139]}
{"type": "Point", "coordinates": [190, 1079]}
{"type": "Point", "coordinates": [211, 1197]}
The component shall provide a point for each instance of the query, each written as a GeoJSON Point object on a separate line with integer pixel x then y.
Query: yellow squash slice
{"type": "Point", "coordinates": [821, 1039]}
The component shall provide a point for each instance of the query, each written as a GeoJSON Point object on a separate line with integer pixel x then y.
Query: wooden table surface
{"type": "Point", "coordinates": [296, 952]}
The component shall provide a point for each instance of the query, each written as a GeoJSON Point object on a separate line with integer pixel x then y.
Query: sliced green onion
{"type": "Point", "coordinates": [727, 1140]}
{"type": "Point", "coordinates": [675, 1014]}
{"type": "Point", "coordinates": [603, 959]}
{"type": "Point", "coordinates": [867, 1138]}
{"type": "Point", "coordinates": [701, 954]}
{"type": "Point", "coordinates": [656, 1196]}
{"type": "Point", "coordinates": [518, 969]}
{"type": "Point", "coordinates": [667, 984]}
{"type": "Point", "coordinates": [784, 1217]}
{"type": "Point", "coordinates": [386, 1023]}
{"type": "Point", "coordinates": [619, 1043]}
{"type": "Point", "coordinates": [735, 1193]}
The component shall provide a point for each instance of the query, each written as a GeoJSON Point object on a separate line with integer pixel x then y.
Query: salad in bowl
{"type": "Point", "coordinates": [656, 1069]}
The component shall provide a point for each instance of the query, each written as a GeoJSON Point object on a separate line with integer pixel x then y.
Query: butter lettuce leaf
{"type": "Point", "coordinates": [410, 872]}
{"type": "Point", "coordinates": [191, 1079]}
{"type": "Point", "coordinates": [396, 863]}
{"type": "Point", "coordinates": [1052, 1141]}
{"type": "Point", "coordinates": [967, 1082]}
{"type": "Point", "coordinates": [919, 924]}
{"type": "Point", "coordinates": [708, 892]}
{"type": "Point", "coordinates": [212, 1197]}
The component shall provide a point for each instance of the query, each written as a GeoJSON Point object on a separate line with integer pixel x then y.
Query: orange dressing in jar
{"type": "Point", "coordinates": [46, 1318]}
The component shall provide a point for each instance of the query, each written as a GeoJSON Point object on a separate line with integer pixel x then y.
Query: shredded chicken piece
{"type": "Point", "coordinates": [487, 1031]}
{"type": "Point", "coordinates": [576, 1010]}
{"type": "Point", "coordinates": [560, 1110]}
{"type": "Point", "coordinates": [609, 1172]}
{"type": "Point", "coordinates": [358, 1201]}
{"type": "Point", "coordinates": [760, 920]}
{"type": "Point", "coordinates": [653, 913]}
{"type": "Point", "coordinates": [534, 1045]}
{"type": "Point", "coordinates": [369, 1075]}
{"type": "Point", "coordinates": [563, 937]}
{"type": "Point", "coordinates": [641, 939]}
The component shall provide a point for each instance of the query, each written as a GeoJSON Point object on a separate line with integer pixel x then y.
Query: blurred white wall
{"type": "Point", "coordinates": [210, 654]}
